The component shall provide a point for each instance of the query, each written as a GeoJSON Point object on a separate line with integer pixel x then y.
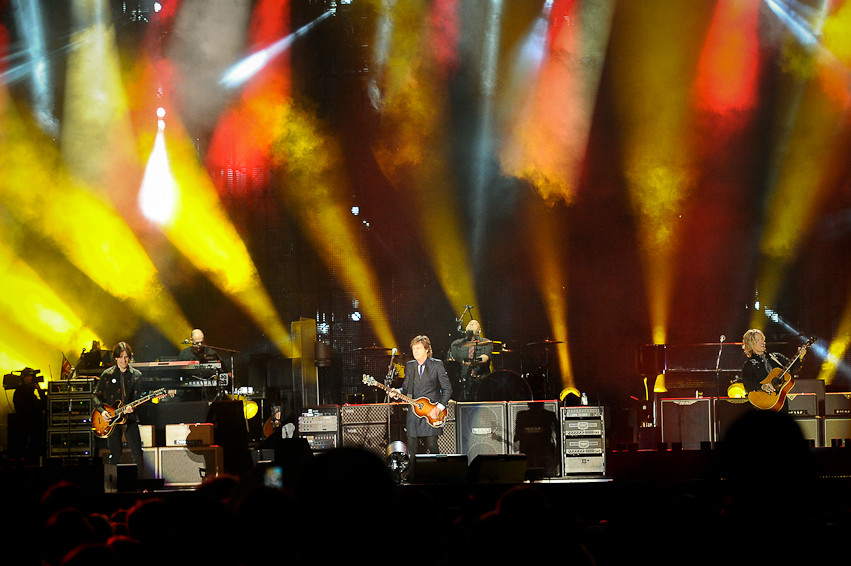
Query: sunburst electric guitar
{"type": "Point", "coordinates": [103, 429]}
{"type": "Point", "coordinates": [782, 381]}
{"type": "Point", "coordinates": [421, 405]}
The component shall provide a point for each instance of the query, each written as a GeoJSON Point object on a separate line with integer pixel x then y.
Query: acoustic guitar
{"type": "Point", "coordinates": [103, 429]}
{"type": "Point", "coordinates": [421, 405]}
{"type": "Point", "coordinates": [782, 380]}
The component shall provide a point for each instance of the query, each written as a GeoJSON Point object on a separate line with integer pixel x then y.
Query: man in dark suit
{"type": "Point", "coordinates": [425, 376]}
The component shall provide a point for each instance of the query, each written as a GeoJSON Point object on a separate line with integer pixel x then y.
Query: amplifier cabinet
{"type": "Point", "coordinates": [837, 404]}
{"type": "Point", "coordinates": [687, 421]}
{"type": "Point", "coordinates": [837, 428]}
{"type": "Point", "coordinates": [583, 440]}
{"type": "Point", "coordinates": [372, 413]}
{"type": "Point", "coordinates": [533, 430]}
{"type": "Point", "coordinates": [193, 434]}
{"type": "Point", "coordinates": [727, 411]}
{"type": "Point", "coordinates": [802, 404]}
{"type": "Point", "coordinates": [481, 428]}
{"type": "Point", "coordinates": [189, 466]}
{"type": "Point", "coordinates": [372, 436]}
{"type": "Point", "coordinates": [810, 428]}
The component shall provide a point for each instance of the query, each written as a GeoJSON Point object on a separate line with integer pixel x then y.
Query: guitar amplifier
{"type": "Point", "coordinates": [372, 413]}
{"type": "Point", "coordinates": [837, 404]}
{"type": "Point", "coordinates": [189, 466]}
{"type": "Point", "coordinates": [802, 404]}
{"type": "Point", "coordinates": [194, 434]}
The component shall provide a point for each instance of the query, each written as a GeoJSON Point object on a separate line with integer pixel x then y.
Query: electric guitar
{"type": "Point", "coordinates": [421, 405]}
{"type": "Point", "coordinates": [103, 429]}
{"type": "Point", "coordinates": [782, 381]}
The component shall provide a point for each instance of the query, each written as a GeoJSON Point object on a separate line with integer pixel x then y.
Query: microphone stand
{"type": "Point", "coordinates": [718, 379]}
{"type": "Point", "coordinates": [232, 367]}
{"type": "Point", "coordinates": [388, 379]}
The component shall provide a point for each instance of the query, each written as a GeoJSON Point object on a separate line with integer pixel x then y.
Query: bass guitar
{"type": "Point", "coordinates": [421, 405]}
{"type": "Point", "coordinates": [782, 380]}
{"type": "Point", "coordinates": [103, 428]}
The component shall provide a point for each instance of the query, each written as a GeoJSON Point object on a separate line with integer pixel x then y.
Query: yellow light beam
{"type": "Point", "coordinates": [315, 184]}
{"type": "Point", "coordinates": [805, 162]}
{"type": "Point", "coordinates": [202, 231]}
{"type": "Point", "coordinates": [551, 275]}
{"type": "Point", "coordinates": [94, 238]}
{"type": "Point", "coordinates": [411, 149]}
{"type": "Point", "coordinates": [654, 99]}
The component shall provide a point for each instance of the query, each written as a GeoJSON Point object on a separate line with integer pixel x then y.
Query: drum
{"type": "Point", "coordinates": [503, 385]}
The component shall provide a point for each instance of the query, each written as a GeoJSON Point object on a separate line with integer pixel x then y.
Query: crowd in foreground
{"type": "Point", "coordinates": [345, 505]}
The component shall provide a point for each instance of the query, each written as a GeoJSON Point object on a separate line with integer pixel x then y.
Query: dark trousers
{"type": "Point", "coordinates": [134, 443]}
{"type": "Point", "coordinates": [422, 445]}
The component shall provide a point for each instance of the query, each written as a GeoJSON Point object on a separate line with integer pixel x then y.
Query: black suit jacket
{"type": "Point", "coordinates": [434, 385]}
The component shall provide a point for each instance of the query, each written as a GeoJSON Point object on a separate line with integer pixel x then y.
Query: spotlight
{"type": "Point", "coordinates": [736, 389]}
{"type": "Point", "coordinates": [397, 460]}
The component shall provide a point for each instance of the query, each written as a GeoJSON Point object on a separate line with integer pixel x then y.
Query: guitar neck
{"type": "Point", "coordinates": [144, 399]}
{"type": "Point", "coordinates": [402, 396]}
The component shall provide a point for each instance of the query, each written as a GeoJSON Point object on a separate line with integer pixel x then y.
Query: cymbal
{"type": "Point", "coordinates": [469, 343]}
{"type": "Point", "coordinates": [545, 342]}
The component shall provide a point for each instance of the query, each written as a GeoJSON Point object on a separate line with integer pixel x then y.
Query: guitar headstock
{"type": "Point", "coordinates": [369, 380]}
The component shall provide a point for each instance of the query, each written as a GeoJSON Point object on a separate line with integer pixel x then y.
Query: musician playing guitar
{"type": "Point", "coordinates": [760, 364]}
{"type": "Point", "coordinates": [117, 386]}
{"type": "Point", "coordinates": [425, 376]}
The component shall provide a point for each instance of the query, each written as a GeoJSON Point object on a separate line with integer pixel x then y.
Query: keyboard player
{"type": "Point", "coordinates": [201, 353]}
{"type": "Point", "coordinates": [198, 351]}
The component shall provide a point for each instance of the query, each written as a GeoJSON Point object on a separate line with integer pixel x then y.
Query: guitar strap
{"type": "Point", "coordinates": [778, 362]}
{"type": "Point", "coordinates": [766, 364]}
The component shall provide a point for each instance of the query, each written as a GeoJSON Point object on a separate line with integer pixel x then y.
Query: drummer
{"type": "Point", "coordinates": [474, 353]}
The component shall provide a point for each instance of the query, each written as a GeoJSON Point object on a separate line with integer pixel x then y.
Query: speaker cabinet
{"type": "Point", "coordinates": [837, 404]}
{"type": "Point", "coordinates": [372, 413]}
{"type": "Point", "coordinates": [810, 429]}
{"type": "Point", "coordinates": [727, 411]}
{"type": "Point", "coordinates": [447, 442]}
{"type": "Point", "coordinates": [836, 428]}
{"type": "Point", "coordinates": [802, 404]}
{"type": "Point", "coordinates": [533, 430]}
{"type": "Point", "coordinates": [189, 466]}
{"type": "Point", "coordinates": [372, 436]}
{"type": "Point", "coordinates": [481, 428]}
{"type": "Point", "coordinates": [687, 421]}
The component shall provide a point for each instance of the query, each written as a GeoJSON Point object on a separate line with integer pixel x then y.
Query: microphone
{"type": "Point", "coordinates": [187, 341]}
{"type": "Point", "coordinates": [391, 369]}
{"type": "Point", "coordinates": [723, 337]}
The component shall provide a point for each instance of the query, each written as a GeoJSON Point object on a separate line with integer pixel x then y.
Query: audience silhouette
{"type": "Point", "coordinates": [768, 503]}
